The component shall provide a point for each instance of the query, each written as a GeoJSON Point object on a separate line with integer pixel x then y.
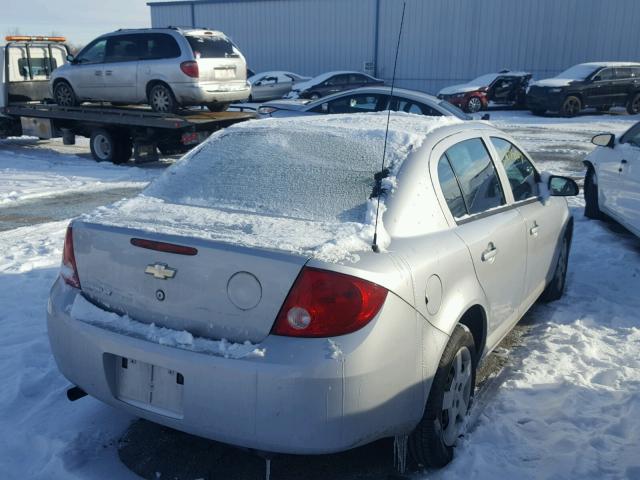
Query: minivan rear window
{"type": "Point", "coordinates": [212, 47]}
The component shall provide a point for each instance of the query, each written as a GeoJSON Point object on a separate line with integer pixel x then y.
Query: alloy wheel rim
{"type": "Point", "coordinates": [63, 96]}
{"type": "Point", "coordinates": [456, 398]}
{"type": "Point", "coordinates": [102, 147]}
{"type": "Point", "coordinates": [160, 100]}
{"type": "Point", "coordinates": [572, 107]}
{"type": "Point", "coordinates": [474, 105]}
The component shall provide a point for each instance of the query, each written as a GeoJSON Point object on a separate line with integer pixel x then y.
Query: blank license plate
{"type": "Point", "coordinates": [225, 73]}
{"type": "Point", "coordinates": [151, 387]}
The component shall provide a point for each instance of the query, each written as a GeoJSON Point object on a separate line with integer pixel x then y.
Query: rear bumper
{"type": "Point", "coordinates": [299, 398]}
{"type": "Point", "coordinates": [202, 93]}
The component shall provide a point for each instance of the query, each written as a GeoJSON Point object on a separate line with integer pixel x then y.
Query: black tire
{"type": "Point", "coordinates": [474, 105]}
{"type": "Point", "coordinates": [109, 146]}
{"type": "Point", "coordinates": [633, 106]}
{"type": "Point", "coordinates": [591, 204]}
{"type": "Point", "coordinates": [430, 444]}
{"type": "Point", "coordinates": [539, 112]}
{"type": "Point", "coordinates": [64, 95]}
{"type": "Point", "coordinates": [555, 288]}
{"type": "Point", "coordinates": [161, 99]}
{"type": "Point", "coordinates": [571, 106]}
{"type": "Point", "coordinates": [217, 107]}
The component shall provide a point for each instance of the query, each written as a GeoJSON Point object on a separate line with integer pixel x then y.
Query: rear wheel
{"type": "Point", "coordinates": [633, 107]}
{"type": "Point", "coordinates": [571, 106]}
{"type": "Point", "coordinates": [474, 105]}
{"type": "Point", "coordinates": [433, 441]}
{"type": "Point", "coordinates": [591, 204]}
{"type": "Point", "coordinates": [109, 146]}
{"type": "Point", "coordinates": [64, 95]}
{"type": "Point", "coordinates": [217, 107]}
{"type": "Point", "coordinates": [161, 99]}
{"type": "Point", "coordinates": [555, 289]}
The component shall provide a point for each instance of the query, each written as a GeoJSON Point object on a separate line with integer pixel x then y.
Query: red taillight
{"type": "Point", "coordinates": [69, 271]}
{"type": "Point", "coordinates": [325, 304]}
{"type": "Point", "coordinates": [190, 69]}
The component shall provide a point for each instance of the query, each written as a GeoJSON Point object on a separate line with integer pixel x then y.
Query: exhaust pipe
{"type": "Point", "coordinates": [75, 393]}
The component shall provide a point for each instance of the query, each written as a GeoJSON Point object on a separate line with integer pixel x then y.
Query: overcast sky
{"type": "Point", "coordinates": [79, 20]}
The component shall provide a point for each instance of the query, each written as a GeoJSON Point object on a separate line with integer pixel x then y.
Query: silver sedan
{"type": "Point", "coordinates": [363, 100]}
{"type": "Point", "coordinates": [277, 290]}
{"type": "Point", "coordinates": [269, 85]}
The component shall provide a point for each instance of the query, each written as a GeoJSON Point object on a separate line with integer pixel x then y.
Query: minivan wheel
{"type": "Point", "coordinates": [474, 105]}
{"type": "Point", "coordinates": [433, 441]}
{"type": "Point", "coordinates": [161, 99]}
{"type": "Point", "coordinates": [555, 289]}
{"type": "Point", "coordinates": [571, 106]}
{"type": "Point", "coordinates": [633, 107]}
{"type": "Point", "coordinates": [591, 204]}
{"type": "Point", "coordinates": [217, 107]}
{"type": "Point", "coordinates": [64, 95]}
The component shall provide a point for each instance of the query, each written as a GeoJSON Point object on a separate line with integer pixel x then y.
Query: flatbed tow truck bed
{"type": "Point", "coordinates": [117, 133]}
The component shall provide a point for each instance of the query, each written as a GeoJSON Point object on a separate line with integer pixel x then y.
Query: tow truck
{"type": "Point", "coordinates": [115, 133]}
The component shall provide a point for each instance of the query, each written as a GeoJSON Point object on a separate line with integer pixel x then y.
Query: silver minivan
{"type": "Point", "coordinates": [164, 67]}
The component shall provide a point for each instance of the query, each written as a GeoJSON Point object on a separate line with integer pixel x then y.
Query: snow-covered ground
{"type": "Point", "coordinates": [30, 169]}
{"type": "Point", "coordinates": [569, 408]}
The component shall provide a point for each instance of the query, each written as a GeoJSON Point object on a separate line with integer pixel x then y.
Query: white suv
{"type": "Point", "coordinates": [164, 67]}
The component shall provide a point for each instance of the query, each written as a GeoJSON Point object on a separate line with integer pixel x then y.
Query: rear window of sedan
{"type": "Point", "coordinates": [211, 47]}
{"type": "Point", "coordinates": [296, 174]}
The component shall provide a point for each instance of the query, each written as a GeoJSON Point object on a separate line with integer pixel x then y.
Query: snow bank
{"type": "Point", "coordinates": [87, 312]}
{"type": "Point", "coordinates": [299, 185]}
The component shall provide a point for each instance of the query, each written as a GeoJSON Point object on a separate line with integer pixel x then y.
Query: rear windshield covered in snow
{"type": "Point", "coordinates": [299, 174]}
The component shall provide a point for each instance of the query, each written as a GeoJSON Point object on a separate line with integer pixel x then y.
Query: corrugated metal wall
{"type": "Point", "coordinates": [444, 41]}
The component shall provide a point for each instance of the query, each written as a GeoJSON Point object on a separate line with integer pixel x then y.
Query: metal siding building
{"type": "Point", "coordinates": [443, 42]}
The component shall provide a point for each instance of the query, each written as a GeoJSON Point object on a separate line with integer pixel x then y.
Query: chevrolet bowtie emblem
{"type": "Point", "coordinates": [160, 271]}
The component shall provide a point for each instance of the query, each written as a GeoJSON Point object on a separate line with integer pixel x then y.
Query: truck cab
{"type": "Point", "coordinates": [27, 63]}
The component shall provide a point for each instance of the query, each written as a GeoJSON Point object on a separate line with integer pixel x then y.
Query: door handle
{"type": "Point", "coordinates": [533, 231]}
{"type": "Point", "coordinates": [109, 72]}
{"type": "Point", "coordinates": [489, 253]}
{"type": "Point", "coordinates": [98, 72]}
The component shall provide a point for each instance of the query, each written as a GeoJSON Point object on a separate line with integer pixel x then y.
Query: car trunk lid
{"type": "Point", "coordinates": [211, 289]}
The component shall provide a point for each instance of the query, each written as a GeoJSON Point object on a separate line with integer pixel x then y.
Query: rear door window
{"type": "Point", "coordinates": [476, 175]}
{"type": "Point", "coordinates": [156, 46]}
{"type": "Point", "coordinates": [522, 175]}
{"type": "Point", "coordinates": [212, 47]}
{"type": "Point", "coordinates": [123, 48]}
{"type": "Point", "coordinates": [451, 188]}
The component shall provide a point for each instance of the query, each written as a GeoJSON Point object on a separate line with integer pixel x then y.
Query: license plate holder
{"type": "Point", "coordinates": [150, 387]}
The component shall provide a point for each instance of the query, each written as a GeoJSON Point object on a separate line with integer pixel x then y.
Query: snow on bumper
{"type": "Point", "coordinates": [304, 396]}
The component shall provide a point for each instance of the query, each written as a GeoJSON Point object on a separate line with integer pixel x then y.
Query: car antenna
{"type": "Point", "coordinates": [374, 245]}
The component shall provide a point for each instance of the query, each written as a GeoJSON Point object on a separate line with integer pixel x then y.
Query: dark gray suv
{"type": "Point", "coordinates": [333, 82]}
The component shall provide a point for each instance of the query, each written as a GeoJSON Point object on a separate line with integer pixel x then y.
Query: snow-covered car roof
{"type": "Point", "coordinates": [301, 185]}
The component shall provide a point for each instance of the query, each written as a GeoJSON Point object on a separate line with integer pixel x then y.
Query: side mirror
{"type": "Point", "coordinates": [604, 140]}
{"type": "Point", "coordinates": [562, 187]}
{"type": "Point", "coordinates": [70, 58]}
{"type": "Point", "coordinates": [257, 84]}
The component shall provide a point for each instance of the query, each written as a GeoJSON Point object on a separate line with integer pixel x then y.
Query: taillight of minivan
{"type": "Point", "coordinates": [190, 68]}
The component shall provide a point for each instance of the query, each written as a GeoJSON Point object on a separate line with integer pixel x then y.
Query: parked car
{"type": "Point", "coordinates": [362, 100]}
{"type": "Point", "coordinates": [271, 85]}
{"type": "Point", "coordinates": [612, 181]}
{"type": "Point", "coordinates": [502, 88]}
{"type": "Point", "coordinates": [265, 240]}
{"type": "Point", "coordinates": [332, 82]}
{"type": "Point", "coordinates": [601, 85]}
{"type": "Point", "coordinates": [164, 67]}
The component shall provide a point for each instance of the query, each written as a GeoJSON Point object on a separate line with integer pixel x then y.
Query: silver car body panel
{"type": "Point", "coordinates": [303, 395]}
{"type": "Point", "coordinates": [220, 79]}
